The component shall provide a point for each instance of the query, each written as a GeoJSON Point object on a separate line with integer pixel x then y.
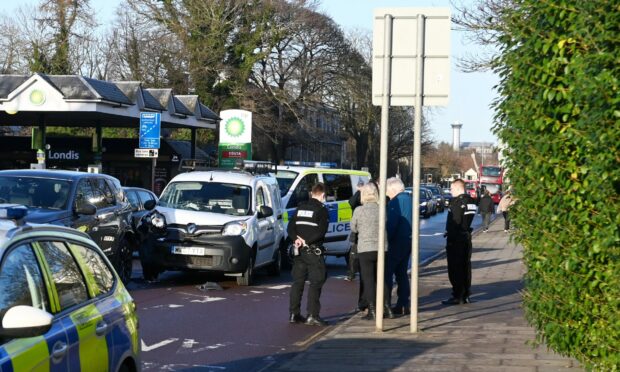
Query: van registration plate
{"type": "Point", "coordinates": [190, 251]}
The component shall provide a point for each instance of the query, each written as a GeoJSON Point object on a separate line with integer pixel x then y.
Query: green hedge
{"type": "Point", "coordinates": [559, 115]}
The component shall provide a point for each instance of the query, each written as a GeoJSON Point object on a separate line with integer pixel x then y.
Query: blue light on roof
{"type": "Point", "coordinates": [13, 211]}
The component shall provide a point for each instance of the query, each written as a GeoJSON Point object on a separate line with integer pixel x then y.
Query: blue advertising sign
{"type": "Point", "coordinates": [150, 124]}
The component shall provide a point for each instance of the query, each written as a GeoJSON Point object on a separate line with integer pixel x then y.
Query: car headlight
{"type": "Point", "coordinates": [158, 220]}
{"type": "Point", "coordinates": [234, 228]}
{"type": "Point", "coordinates": [423, 204]}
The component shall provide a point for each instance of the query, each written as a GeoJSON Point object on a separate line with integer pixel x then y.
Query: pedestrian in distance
{"type": "Point", "coordinates": [365, 223]}
{"type": "Point", "coordinates": [399, 227]}
{"type": "Point", "coordinates": [486, 209]}
{"type": "Point", "coordinates": [504, 206]}
{"type": "Point", "coordinates": [458, 246]}
{"type": "Point", "coordinates": [307, 229]}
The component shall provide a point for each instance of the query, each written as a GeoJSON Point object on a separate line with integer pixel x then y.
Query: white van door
{"type": "Point", "coordinates": [266, 226]}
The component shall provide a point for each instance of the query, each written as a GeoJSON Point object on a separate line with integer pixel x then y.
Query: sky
{"type": "Point", "coordinates": [470, 93]}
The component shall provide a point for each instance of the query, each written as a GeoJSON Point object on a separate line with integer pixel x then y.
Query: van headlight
{"type": "Point", "coordinates": [158, 220]}
{"type": "Point", "coordinates": [423, 204]}
{"type": "Point", "coordinates": [235, 228]}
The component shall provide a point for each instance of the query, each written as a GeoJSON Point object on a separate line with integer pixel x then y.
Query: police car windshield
{"type": "Point", "coordinates": [34, 192]}
{"type": "Point", "coordinates": [215, 197]}
{"type": "Point", "coordinates": [285, 180]}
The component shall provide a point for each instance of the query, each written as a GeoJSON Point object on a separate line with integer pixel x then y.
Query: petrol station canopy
{"type": "Point", "coordinates": [78, 101]}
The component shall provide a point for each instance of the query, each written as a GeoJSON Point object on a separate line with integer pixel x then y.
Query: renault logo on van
{"type": "Point", "coordinates": [191, 228]}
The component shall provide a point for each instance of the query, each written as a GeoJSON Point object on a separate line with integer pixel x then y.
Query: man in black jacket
{"type": "Point", "coordinates": [458, 247]}
{"type": "Point", "coordinates": [307, 230]}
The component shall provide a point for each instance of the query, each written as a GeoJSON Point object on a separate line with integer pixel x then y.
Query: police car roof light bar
{"type": "Point", "coordinates": [14, 212]}
{"type": "Point", "coordinates": [259, 167]}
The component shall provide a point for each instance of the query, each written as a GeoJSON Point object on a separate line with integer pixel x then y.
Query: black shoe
{"type": "Point", "coordinates": [359, 309]}
{"type": "Point", "coordinates": [452, 301]}
{"type": "Point", "coordinates": [296, 318]}
{"type": "Point", "coordinates": [467, 300]}
{"type": "Point", "coordinates": [401, 310]}
{"type": "Point", "coordinates": [315, 320]}
{"type": "Point", "coordinates": [387, 312]}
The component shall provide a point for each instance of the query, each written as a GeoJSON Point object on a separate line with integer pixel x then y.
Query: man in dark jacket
{"type": "Point", "coordinates": [486, 208]}
{"type": "Point", "coordinates": [458, 247]}
{"type": "Point", "coordinates": [307, 230]}
{"type": "Point", "coordinates": [399, 227]}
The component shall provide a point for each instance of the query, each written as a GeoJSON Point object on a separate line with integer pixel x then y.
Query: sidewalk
{"type": "Point", "coordinates": [490, 334]}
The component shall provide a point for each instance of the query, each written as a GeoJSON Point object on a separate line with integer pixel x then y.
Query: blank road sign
{"type": "Point", "coordinates": [404, 36]}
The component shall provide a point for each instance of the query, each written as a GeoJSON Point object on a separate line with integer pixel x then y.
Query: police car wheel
{"type": "Point", "coordinates": [124, 260]}
{"type": "Point", "coordinates": [246, 278]}
{"type": "Point", "coordinates": [276, 266]}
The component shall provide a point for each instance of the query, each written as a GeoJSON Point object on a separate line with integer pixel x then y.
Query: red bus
{"type": "Point", "coordinates": [491, 178]}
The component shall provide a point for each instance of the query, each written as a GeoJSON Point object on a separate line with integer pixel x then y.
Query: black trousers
{"type": "Point", "coordinates": [307, 265]}
{"type": "Point", "coordinates": [459, 266]}
{"type": "Point", "coordinates": [396, 265]}
{"type": "Point", "coordinates": [368, 272]}
{"type": "Point", "coordinates": [355, 267]}
{"type": "Point", "coordinates": [506, 220]}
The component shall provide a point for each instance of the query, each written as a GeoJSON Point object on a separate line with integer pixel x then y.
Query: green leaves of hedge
{"type": "Point", "coordinates": [559, 115]}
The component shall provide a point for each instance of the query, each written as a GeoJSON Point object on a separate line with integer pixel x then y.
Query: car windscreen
{"type": "Point", "coordinates": [215, 197]}
{"type": "Point", "coordinates": [491, 171]}
{"type": "Point", "coordinates": [285, 180]}
{"type": "Point", "coordinates": [35, 192]}
{"type": "Point", "coordinates": [491, 187]}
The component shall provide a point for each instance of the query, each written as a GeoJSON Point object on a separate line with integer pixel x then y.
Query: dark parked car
{"type": "Point", "coordinates": [437, 195]}
{"type": "Point", "coordinates": [89, 202]}
{"type": "Point", "coordinates": [447, 196]}
{"type": "Point", "coordinates": [428, 206]}
{"type": "Point", "coordinates": [142, 202]}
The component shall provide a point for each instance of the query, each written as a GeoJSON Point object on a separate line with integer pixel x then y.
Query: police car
{"type": "Point", "coordinates": [220, 220]}
{"type": "Point", "coordinates": [295, 184]}
{"type": "Point", "coordinates": [62, 305]}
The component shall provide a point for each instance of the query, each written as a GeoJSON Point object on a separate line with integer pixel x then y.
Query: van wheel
{"type": "Point", "coordinates": [246, 278]}
{"type": "Point", "coordinates": [123, 260]}
{"type": "Point", "coordinates": [276, 266]}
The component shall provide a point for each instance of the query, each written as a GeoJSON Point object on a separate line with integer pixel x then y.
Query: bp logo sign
{"type": "Point", "coordinates": [37, 97]}
{"type": "Point", "coordinates": [234, 127]}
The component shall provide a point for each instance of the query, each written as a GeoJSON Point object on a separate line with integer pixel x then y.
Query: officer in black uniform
{"type": "Point", "coordinates": [458, 247]}
{"type": "Point", "coordinates": [307, 230]}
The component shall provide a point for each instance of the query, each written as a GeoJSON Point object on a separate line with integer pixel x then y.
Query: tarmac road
{"type": "Point", "coordinates": [233, 328]}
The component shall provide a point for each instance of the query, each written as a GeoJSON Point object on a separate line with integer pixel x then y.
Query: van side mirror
{"type": "Point", "coordinates": [149, 205]}
{"type": "Point", "coordinates": [265, 211]}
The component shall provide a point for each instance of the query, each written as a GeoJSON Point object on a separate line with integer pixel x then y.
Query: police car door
{"type": "Point", "coordinates": [339, 191]}
{"type": "Point", "coordinates": [22, 284]}
{"type": "Point", "coordinates": [100, 284]}
{"type": "Point", "coordinates": [266, 231]}
{"type": "Point", "coordinates": [86, 329]}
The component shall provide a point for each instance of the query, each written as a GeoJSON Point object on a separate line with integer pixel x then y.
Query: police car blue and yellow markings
{"type": "Point", "coordinates": [93, 349]}
{"type": "Point", "coordinates": [26, 354]}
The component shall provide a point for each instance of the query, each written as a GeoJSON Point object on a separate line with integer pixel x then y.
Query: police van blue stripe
{"type": "Point", "coordinates": [5, 362]}
{"type": "Point", "coordinates": [115, 339]}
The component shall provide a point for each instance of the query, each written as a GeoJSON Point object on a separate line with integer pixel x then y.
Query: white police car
{"type": "Point", "coordinates": [219, 220]}
{"type": "Point", "coordinates": [62, 305]}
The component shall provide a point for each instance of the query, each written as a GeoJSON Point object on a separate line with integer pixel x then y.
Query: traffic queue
{"type": "Point", "coordinates": [67, 241]}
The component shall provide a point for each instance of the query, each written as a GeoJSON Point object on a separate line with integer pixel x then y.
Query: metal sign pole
{"type": "Point", "coordinates": [385, 110]}
{"type": "Point", "coordinates": [417, 128]}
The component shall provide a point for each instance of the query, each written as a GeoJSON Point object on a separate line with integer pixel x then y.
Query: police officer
{"type": "Point", "coordinates": [307, 230]}
{"type": "Point", "coordinates": [458, 247]}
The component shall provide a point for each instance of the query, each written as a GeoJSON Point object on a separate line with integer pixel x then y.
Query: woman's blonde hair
{"type": "Point", "coordinates": [369, 194]}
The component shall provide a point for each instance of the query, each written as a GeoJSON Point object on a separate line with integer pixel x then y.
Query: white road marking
{"type": "Point", "coordinates": [279, 286]}
{"type": "Point", "coordinates": [212, 347]}
{"type": "Point", "coordinates": [206, 299]}
{"type": "Point", "coordinates": [172, 306]}
{"type": "Point", "coordinates": [434, 234]}
{"type": "Point", "coordinates": [257, 292]}
{"type": "Point", "coordinates": [147, 348]}
{"type": "Point", "coordinates": [189, 343]}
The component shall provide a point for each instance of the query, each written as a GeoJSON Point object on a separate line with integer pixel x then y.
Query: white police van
{"type": "Point", "coordinates": [217, 220]}
{"type": "Point", "coordinates": [295, 185]}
